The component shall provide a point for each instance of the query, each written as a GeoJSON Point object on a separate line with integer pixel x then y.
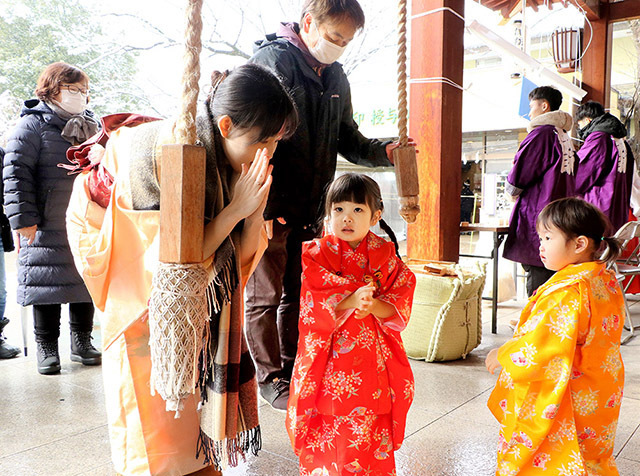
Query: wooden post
{"type": "Point", "coordinates": [182, 183]}
{"type": "Point", "coordinates": [435, 122]}
{"type": "Point", "coordinates": [596, 63]}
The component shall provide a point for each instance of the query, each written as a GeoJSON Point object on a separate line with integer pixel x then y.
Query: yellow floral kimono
{"type": "Point", "coordinates": [558, 395]}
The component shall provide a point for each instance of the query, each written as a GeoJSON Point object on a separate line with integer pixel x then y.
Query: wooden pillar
{"type": "Point", "coordinates": [435, 122]}
{"type": "Point", "coordinates": [596, 63]}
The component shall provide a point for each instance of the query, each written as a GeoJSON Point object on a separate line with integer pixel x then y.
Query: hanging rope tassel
{"type": "Point", "coordinates": [404, 157]}
{"type": "Point", "coordinates": [178, 305]}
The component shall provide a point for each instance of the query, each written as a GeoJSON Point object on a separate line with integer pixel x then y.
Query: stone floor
{"type": "Point", "coordinates": [56, 425]}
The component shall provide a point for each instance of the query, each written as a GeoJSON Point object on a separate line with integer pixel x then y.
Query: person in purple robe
{"type": "Point", "coordinates": [605, 163]}
{"type": "Point", "coordinates": [542, 172]}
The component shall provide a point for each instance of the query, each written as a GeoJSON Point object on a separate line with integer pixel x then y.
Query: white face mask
{"type": "Point", "coordinates": [325, 51]}
{"type": "Point", "coordinates": [72, 103]}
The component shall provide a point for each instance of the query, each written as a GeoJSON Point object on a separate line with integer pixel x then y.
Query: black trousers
{"type": "Point", "coordinates": [536, 277]}
{"type": "Point", "coordinates": [272, 303]}
{"type": "Point", "coordinates": [46, 320]}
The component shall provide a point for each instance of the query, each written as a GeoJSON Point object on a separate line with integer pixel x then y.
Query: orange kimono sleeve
{"type": "Point", "coordinates": [536, 369]}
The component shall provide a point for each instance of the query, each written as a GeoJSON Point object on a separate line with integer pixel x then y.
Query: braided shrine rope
{"type": "Point", "coordinates": [178, 309]}
{"type": "Point", "coordinates": [402, 73]}
{"type": "Point", "coordinates": [185, 130]}
{"type": "Point", "coordinates": [179, 305]}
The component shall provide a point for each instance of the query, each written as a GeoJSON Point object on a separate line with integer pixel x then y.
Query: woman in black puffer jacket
{"type": "Point", "coordinates": [36, 195]}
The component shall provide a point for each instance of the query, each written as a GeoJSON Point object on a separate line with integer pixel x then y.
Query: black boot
{"type": "Point", "coordinates": [48, 358]}
{"type": "Point", "coordinates": [82, 350]}
{"type": "Point", "coordinates": [6, 351]}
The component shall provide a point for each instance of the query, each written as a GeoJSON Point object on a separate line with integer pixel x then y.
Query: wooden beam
{"type": "Point", "coordinates": [625, 10]}
{"type": "Point", "coordinates": [596, 63]}
{"type": "Point", "coordinates": [591, 8]}
{"type": "Point", "coordinates": [512, 9]}
{"type": "Point", "coordinates": [435, 122]}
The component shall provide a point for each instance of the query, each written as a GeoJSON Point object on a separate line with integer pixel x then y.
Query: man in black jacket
{"type": "Point", "coordinates": [304, 56]}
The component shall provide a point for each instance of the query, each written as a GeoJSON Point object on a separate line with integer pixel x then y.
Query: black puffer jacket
{"type": "Point", "coordinates": [305, 163]}
{"type": "Point", "coordinates": [36, 192]}
{"type": "Point", "coordinates": [606, 123]}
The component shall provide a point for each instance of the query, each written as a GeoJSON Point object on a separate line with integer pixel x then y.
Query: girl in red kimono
{"type": "Point", "coordinates": [352, 384]}
{"type": "Point", "coordinates": [559, 392]}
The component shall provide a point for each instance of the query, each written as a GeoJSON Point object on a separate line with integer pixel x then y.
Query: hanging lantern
{"type": "Point", "coordinates": [567, 48]}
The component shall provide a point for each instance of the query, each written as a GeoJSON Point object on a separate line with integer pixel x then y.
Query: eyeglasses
{"type": "Point", "coordinates": [75, 90]}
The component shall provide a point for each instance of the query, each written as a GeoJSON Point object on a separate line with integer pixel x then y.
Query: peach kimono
{"type": "Point", "coordinates": [116, 252]}
{"type": "Point", "coordinates": [558, 395]}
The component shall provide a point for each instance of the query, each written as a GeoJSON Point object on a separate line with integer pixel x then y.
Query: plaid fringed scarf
{"type": "Point", "coordinates": [229, 425]}
{"type": "Point", "coordinates": [229, 417]}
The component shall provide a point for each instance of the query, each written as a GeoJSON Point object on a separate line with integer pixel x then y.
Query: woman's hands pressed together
{"type": "Point", "coordinates": [251, 190]}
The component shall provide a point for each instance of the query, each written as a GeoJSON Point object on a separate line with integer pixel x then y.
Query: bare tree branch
{"type": "Point", "coordinates": [146, 22]}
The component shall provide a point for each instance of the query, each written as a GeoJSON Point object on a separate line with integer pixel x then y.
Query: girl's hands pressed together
{"type": "Point", "coordinates": [252, 187]}
{"type": "Point", "coordinates": [491, 362]}
{"type": "Point", "coordinates": [363, 300]}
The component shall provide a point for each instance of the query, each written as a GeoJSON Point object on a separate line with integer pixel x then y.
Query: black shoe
{"type": "Point", "coordinates": [276, 393]}
{"type": "Point", "coordinates": [48, 358]}
{"type": "Point", "coordinates": [82, 350]}
{"type": "Point", "coordinates": [6, 351]}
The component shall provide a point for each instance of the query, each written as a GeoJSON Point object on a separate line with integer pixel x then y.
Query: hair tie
{"type": "Point", "coordinates": [221, 77]}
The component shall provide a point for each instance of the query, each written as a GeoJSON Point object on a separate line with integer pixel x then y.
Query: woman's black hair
{"type": "Point", "coordinates": [549, 94]}
{"type": "Point", "coordinates": [253, 97]}
{"type": "Point", "coordinates": [359, 188]}
{"type": "Point", "coordinates": [590, 110]}
{"type": "Point", "coordinates": [575, 217]}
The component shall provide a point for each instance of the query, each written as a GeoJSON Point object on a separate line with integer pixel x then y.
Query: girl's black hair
{"type": "Point", "coordinates": [575, 217]}
{"type": "Point", "coordinates": [252, 96]}
{"type": "Point", "coordinates": [358, 188]}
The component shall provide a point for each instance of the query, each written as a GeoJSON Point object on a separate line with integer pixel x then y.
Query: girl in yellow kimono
{"type": "Point", "coordinates": [558, 395]}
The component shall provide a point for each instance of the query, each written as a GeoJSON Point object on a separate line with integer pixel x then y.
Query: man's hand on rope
{"type": "Point", "coordinates": [394, 145]}
{"type": "Point", "coordinates": [252, 188]}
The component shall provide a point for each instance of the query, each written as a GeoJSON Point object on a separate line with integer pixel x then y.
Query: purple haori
{"type": "Point", "coordinates": [537, 172]}
{"type": "Point", "coordinates": [598, 180]}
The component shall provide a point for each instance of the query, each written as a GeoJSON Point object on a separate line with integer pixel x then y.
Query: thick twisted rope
{"type": "Point", "coordinates": [185, 129]}
{"type": "Point", "coordinates": [402, 73]}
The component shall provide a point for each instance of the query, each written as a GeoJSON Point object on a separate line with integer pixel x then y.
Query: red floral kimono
{"type": "Point", "coordinates": [352, 384]}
